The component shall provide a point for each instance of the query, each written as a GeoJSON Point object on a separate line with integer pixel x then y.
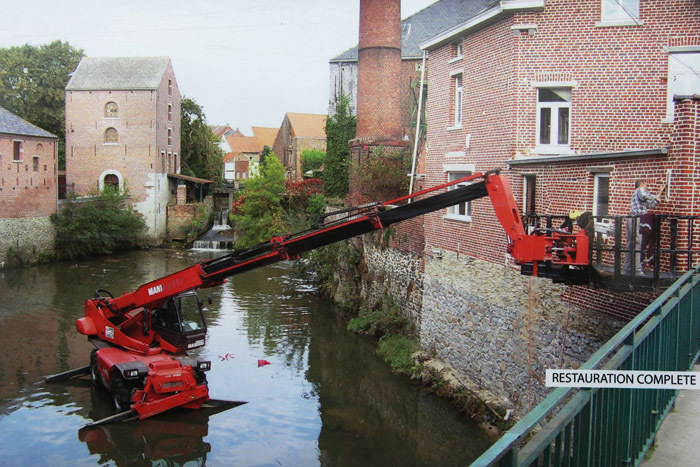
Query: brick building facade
{"type": "Point", "coordinates": [28, 190]}
{"type": "Point", "coordinates": [574, 97]}
{"type": "Point", "coordinates": [299, 132]}
{"type": "Point", "coordinates": [123, 128]}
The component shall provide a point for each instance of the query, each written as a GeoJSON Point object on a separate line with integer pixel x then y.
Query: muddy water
{"type": "Point", "coordinates": [324, 399]}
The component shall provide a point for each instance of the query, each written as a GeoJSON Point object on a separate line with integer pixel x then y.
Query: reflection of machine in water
{"type": "Point", "coordinates": [174, 439]}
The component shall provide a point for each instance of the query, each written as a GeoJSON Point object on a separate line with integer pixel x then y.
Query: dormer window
{"type": "Point", "coordinates": [111, 110]}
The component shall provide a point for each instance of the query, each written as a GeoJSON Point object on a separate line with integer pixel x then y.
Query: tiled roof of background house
{"type": "Point", "coordinates": [308, 125]}
{"type": "Point", "coordinates": [110, 73]}
{"type": "Point", "coordinates": [14, 125]}
{"type": "Point", "coordinates": [247, 144]}
{"type": "Point", "coordinates": [266, 136]}
{"type": "Point", "coordinates": [427, 23]}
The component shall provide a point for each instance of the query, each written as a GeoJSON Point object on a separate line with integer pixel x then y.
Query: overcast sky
{"type": "Point", "coordinates": [247, 62]}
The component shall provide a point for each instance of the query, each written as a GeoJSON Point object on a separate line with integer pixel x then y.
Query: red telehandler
{"type": "Point", "coordinates": [141, 337]}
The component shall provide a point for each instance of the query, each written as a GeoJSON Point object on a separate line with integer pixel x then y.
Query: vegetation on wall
{"type": "Point", "coordinates": [311, 161]}
{"type": "Point", "coordinates": [340, 129]}
{"type": "Point", "coordinates": [384, 173]}
{"type": "Point", "coordinates": [201, 155]}
{"type": "Point", "coordinates": [99, 224]}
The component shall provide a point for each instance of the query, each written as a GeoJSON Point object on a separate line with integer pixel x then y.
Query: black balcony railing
{"type": "Point", "coordinates": [670, 246]}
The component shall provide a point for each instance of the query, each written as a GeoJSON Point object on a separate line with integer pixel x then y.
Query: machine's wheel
{"type": "Point", "coordinates": [94, 375]}
{"type": "Point", "coordinates": [121, 394]}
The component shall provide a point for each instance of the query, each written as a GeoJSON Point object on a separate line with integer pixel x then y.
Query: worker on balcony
{"type": "Point", "coordinates": [642, 201]}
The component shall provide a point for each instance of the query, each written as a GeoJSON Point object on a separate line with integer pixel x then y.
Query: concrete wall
{"type": "Point", "coordinates": [25, 240]}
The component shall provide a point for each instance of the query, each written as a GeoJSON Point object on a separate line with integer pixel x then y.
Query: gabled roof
{"type": "Point", "coordinates": [14, 125]}
{"type": "Point", "coordinates": [247, 144]}
{"type": "Point", "coordinates": [220, 130]}
{"type": "Point", "coordinates": [118, 73]}
{"type": "Point", "coordinates": [427, 23]}
{"type": "Point", "coordinates": [307, 125]}
{"type": "Point", "coordinates": [266, 136]}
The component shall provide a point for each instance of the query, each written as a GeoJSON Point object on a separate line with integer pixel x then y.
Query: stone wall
{"type": "Point", "coordinates": [181, 216]}
{"type": "Point", "coordinates": [25, 240]}
{"type": "Point", "coordinates": [500, 331]}
{"type": "Point", "coordinates": [393, 277]}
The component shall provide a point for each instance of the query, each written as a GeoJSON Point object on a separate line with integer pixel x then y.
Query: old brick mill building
{"type": "Point", "coordinates": [123, 129]}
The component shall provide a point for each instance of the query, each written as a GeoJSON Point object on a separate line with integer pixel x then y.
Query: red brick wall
{"type": "Point", "coordinates": [618, 79]}
{"type": "Point", "coordinates": [379, 70]}
{"type": "Point", "coordinates": [24, 191]}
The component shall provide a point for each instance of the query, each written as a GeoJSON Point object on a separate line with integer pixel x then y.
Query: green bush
{"type": "Point", "coordinates": [398, 351]}
{"type": "Point", "coordinates": [97, 225]}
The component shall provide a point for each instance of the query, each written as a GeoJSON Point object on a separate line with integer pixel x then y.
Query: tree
{"type": "Point", "coordinates": [258, 213]}
{"type": "Point", "coordinates": [311, 160]}
{"type": "Point", "coordinates": [201, 155]}
{"type": "Point", "coordinates": [33, 82]}
{"type": "Point", "coordinates": [340, 129]}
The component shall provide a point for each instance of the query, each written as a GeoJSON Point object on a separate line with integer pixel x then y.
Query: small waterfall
{"type": "Point", "coordinates": [216, 239]}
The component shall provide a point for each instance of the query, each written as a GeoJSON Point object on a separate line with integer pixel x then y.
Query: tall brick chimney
{"type": "Point", "coordinates": [379, 70]}
{"type": "Point", "coordinates": [378, 87]}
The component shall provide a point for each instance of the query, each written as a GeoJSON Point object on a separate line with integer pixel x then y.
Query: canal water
{"type": "Point", "coordinates": [325, 398]}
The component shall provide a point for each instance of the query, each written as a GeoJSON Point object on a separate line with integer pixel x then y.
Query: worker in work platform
{"type": "Point", "coordinates": [641, 202]}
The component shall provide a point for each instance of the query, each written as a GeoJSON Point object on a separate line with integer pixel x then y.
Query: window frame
{"type": "Point", "coordinates": [458, 100]}
{"type": "Point", "coordinates": [455, 172]}
{"type": "Point", "coordinates": [108, 140]}
{"type": "Point", "coordinates": [553, 147]}
{"type": "Point", "coordinates": [529, 193]}
{"type": "Point", "coordinates": [622, 14]}
{"type": "Point", "coordinates": [678, 67]}
{"type": "Point", "coordinates": [17, 150]}
{"type": "Point", "coordinates": [111, 113]}
{"type": "Point", "coordinates": [596, 193]}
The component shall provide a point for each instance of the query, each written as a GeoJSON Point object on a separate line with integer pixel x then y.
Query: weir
{"type": "Point", "coordinates": [217, 238]}
{"type": "Point", "coordinates": [612, 426]}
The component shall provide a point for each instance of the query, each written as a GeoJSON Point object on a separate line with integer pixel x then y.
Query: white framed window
{"type": "Point", "coordinates": [601, 194]}
{"type": "Point", "coordinates": [461, 211]}
{"type": "Point", "coordinates": [458, 99]}
{"type": "Point", "coordinates": [553, 120]}
{"type": "Point", "coordinates": [619, 10]}
{"type": "Point", "coordinates": [683, 78]}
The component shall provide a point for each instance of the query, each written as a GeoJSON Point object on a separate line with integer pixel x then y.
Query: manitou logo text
{"type": "Point", "coordinates": [155, 289]}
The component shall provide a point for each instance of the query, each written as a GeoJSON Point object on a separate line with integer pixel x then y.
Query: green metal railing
{"type": "Point", "coordinates": [612, 426]}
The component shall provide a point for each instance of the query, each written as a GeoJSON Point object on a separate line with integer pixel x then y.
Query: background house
{"type": "Point", "coordinates": [123, 129]}
{"type": "Point", "coordinates": [245, 151]}
{"type": "Point", "coordinates": [28, 188]}
{"type": "Point", "coordinates": [297, 133]}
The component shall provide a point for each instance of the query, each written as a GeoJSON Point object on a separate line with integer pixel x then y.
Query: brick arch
{"type": "Point", "coordinates": [109, 177]}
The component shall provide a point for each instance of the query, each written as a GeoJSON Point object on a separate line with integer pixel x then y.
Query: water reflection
{"type": "Point", "coordinates": [325, 398]}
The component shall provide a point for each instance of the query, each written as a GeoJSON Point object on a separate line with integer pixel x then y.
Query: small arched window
{"type": "Point", "coordinates": [111, 109]}
{"type": "Point", "coordinates": [111, 136]}
{"type": "Point", "coordinates": [39, 149]}
{"type": "Point", "coordinates": [111, 180]}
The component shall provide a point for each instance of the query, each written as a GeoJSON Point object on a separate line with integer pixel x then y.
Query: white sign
{"type": "Point", "coordinates": [623, 379]}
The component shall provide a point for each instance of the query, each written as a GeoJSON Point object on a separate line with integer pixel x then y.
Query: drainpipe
{"type": "Point", "coordinates": [418, 122]}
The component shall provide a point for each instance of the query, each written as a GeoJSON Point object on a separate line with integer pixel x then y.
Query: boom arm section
{"type": "Point", "coordinates": [525, 249]}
